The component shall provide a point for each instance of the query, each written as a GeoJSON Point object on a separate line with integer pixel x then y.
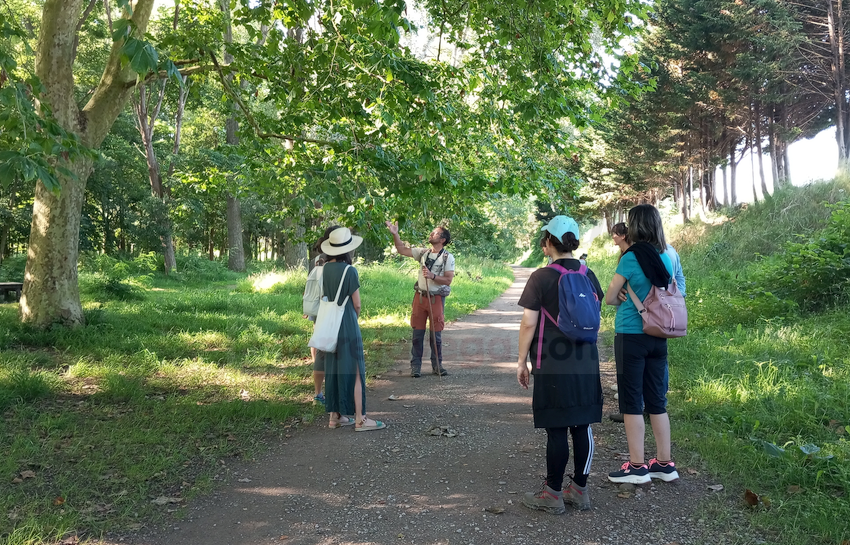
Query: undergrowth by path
{"type": "Point", "coordinates": [759, 389]}
{"type": "Point", "coordinates": [163, 388]}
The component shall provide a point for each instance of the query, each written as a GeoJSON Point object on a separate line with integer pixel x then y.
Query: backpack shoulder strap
{"type": "Point", "coordinates": [638, 304]}
{"type": "Point", "coordinates": [558, 268]}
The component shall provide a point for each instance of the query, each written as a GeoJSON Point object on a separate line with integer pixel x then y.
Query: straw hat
{"type": "Point", "coordinates": [341, 241]}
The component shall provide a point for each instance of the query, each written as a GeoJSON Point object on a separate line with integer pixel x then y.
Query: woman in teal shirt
{"type": "Point", "coordinates": [642, 359]}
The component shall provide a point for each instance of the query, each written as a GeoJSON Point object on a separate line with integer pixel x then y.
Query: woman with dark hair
{"type": "Point", "coordinates": [620, 236]}
{"type": "Point", "coordinates": [345, 369]}
{"type": "Point", "coordinates": [567, 394]}
{"type": "Point", "coordinates": [642, 374]}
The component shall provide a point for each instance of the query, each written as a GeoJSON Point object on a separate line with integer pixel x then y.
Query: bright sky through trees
{"type": "Point", "coordinates": [811, 159]}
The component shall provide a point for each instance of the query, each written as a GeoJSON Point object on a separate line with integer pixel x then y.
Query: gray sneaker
{"type": "Point", "coordinates": [577, 496]}
{"type": "Point", "coordinates": [547, 500]}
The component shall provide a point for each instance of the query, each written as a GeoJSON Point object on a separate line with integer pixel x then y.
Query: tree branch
{"type": "Point", "coordinates": [156, 110]}
{"type": "Point", "coordinates": [112, 91]}
{"type": "Point", "coordinates": [108, 16]}
{"type": "Point", "coordinates": [253, 122]}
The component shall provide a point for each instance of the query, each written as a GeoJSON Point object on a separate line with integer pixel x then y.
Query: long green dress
{"type": "Point", "coordinates": [341, 366]}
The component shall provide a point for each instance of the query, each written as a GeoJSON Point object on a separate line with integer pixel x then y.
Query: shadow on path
{"type": "Point", "coordinates": [404, 485]}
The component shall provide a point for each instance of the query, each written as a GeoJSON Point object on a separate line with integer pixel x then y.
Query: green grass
{"type": "Point", "coordinates": [760, 394]}
{"type": "Point", "coordinates": [159, 392]}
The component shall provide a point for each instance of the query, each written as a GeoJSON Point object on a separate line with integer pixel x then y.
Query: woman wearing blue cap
{"type": "Point", "coordinates": [567, 394]}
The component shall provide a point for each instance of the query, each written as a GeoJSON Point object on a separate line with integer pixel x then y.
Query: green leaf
{"type": "Point", "coordinates": [172, 71]}
{"type": "Point", "coordinates": [809, 449]}
{"type": "Point", "coordinates": [772, 449]}
{"type": "Point", "coordinates": [7, 173]}
{"type": "Point", "coordinates": [145, 60]}
{"type": "Point", "coordinates": [121, 29]}
{"type": "Point", "coordinates": [48, 179]}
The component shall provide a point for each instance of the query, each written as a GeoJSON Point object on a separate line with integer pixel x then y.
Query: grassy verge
{"type": "Point", "coordinates": [760, 392]}
{"type": "Point", "coordinates": [162, 389]}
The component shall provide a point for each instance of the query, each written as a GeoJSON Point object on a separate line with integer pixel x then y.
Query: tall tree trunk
{"type": "Point", "coordinates": [211, 244]}
{"type": "Point", "coordinates": [295, 254]}
{"type": "Point", "coordinates": [771, 135]}
{"type": "Point", "coordinates": [235, 248]}
{"type": "Point", "coordinates": [146, 117]}
{"type": "Point", "coordinates": [236, 252]}
{"type": "Point", "coordinates": [760, 155]}
{"type": "Point", "coordinates": [786, 163]}
{"type": "Point", "coordinates": [733, 174]}
{"type": "Point", "coordinates": [676, 199]}
{"type": "Point", "coordinates": [835, 29]}
{"type": "Point", "coordinates": [691, 191]}
{"type": "Point", "coordinates": [726, 185]}
{"type": "Point", "coordinates": [713, 201]}
{"type": "Point", "coordinates": [751, 143]}
{"type": "Point", "coordinates": [7, 225]}
{"type": "Point", "coordinates": [51, 293]}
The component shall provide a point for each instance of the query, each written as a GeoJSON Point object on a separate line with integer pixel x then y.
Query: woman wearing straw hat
{"type": "Point", "coordinates": [345, 369]}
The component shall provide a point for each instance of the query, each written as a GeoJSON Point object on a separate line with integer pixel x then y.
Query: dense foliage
{"type": "Point", "coordinates": [261, 123]}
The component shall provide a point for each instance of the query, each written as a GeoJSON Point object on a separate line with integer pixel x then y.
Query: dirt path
{"type": "Point", "coordinates": [404, 485]}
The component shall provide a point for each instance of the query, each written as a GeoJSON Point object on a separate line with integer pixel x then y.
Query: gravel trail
{"type": "Point", "coordinates": [451, 468]}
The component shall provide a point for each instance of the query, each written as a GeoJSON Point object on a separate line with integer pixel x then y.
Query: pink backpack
{"type": "Point", "coordinates": [663, 311]}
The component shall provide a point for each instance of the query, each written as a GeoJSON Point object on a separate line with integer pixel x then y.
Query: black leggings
{"type": "Point", "coordinates": [558, 454]}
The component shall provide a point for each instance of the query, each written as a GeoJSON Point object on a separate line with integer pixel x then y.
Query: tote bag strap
{"type": "Point", "coordinates": [341, 280]}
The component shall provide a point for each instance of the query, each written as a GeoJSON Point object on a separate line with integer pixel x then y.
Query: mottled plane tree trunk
{"type": "Point", "coordinates": [51, 293]}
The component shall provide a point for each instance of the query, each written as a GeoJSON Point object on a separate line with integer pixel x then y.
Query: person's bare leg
{"type": "Point", "coordinates": [358, 398]}
{"type": "Point", "coordinates": [661, 430]}
{"type": "Point", "coordinates": [318, 376]}
{"type": "Point", "coordinates": [635, 430]}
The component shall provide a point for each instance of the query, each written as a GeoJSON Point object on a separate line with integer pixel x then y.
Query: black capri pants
{"type": "Point", "coordinates": [642, 376]}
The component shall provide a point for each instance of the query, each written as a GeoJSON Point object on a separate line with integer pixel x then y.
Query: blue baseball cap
{"type": "Point", "coordinates": [559, 225]}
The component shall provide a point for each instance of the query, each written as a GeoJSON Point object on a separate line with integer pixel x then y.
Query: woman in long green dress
{"type": "Point", "coordinates": [345, 369]}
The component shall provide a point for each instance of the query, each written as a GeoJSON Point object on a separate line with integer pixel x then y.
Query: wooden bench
{"type": "Point", "coordinates": [13, 287]}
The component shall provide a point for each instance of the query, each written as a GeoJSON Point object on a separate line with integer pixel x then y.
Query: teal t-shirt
{"type": "Point", "coordinates": [628, 320]}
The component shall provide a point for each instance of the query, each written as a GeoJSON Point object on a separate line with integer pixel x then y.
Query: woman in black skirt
{"type": "Point", "coordinates": [567, 387]}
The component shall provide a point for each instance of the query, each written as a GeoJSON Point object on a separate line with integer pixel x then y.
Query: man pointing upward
{"type": "Point", "coordinates": [437, 269]}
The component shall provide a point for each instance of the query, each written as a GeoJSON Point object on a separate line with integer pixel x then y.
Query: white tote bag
{"type": "Point", "coordinates": [326, 331]}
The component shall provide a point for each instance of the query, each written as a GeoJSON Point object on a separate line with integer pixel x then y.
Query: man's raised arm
{"type": "Point", "coordinates": [402, 248]}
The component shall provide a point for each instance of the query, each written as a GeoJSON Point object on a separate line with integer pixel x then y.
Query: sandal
{"type": "Point", "coordinates": [365, 426]}
{"type": "Point", "coordinates": [340, 422]}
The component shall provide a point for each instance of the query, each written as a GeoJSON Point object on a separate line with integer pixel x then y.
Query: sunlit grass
{"type": "Point", "coordinates": [154, 394]}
